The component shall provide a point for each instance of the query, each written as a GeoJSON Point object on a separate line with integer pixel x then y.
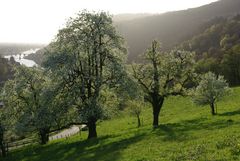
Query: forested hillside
{"type": "Point", "coordinates": [172, 28]}
{"type": "Point", "coordinates": [218, 48]}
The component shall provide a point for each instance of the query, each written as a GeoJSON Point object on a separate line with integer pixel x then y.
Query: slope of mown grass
{"type": "Point", "coordinates": [187, 132]}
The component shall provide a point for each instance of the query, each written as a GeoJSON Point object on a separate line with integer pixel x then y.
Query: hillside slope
{"type": "Point", "coordinates": [173, 27]}
{"type": "Point", "coordinates": [187, 133]}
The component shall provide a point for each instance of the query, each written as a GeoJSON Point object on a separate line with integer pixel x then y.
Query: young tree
{"type": "Point", "coordinates": [163, 75]}
{"type": "Point", "coordinates": [135, 109]}
{"type": "Point", "coordinates": [87, 55]}
{"type": "Point", "coordinates": [211, 89]}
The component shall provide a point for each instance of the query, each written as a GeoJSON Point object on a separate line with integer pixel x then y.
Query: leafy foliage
{"type": "Point", "coordinates": [6, 126]}
{"type": "Point", "coordinates": [32, 96]}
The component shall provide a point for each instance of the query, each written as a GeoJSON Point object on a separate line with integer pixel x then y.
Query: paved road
{"type": "Point", "coordinates": [67, 132]}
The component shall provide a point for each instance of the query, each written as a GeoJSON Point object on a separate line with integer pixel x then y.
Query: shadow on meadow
{"type": "Point", "coordinates": [184, 130]}
{"type": "Point", "coordinates": [110, 147]}
{"type": "Point", "coordinates": [86, 150]}
{"type": "Point", "coordinates": [232, 113]}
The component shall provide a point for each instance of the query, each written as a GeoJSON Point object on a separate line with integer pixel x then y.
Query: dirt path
{"type": "Point", "coordinates": [67, 132]}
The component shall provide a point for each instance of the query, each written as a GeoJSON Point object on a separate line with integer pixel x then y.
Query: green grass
{"type": "Point", "coordinates": [187, 132]}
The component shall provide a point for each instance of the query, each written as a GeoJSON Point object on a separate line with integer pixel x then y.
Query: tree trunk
{"type": "Point", "coordinates": [3, 149]}
{"type": "Point", "coordinates": [2, 144]}
{"type": "Point", "coordinates": [92, 131]}
{"type": "Point", "coordinates": [139, 121]}
{"type": "Point", "coordinates": [212, 109]}
{"type": "Point", "coordinates": [157, 105]}
{"type": "Point", "coordinates": [156, 111]}
{"type": "Point", "coordinates": [44, 135]}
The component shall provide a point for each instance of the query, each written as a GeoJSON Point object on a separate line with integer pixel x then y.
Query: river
{"type": "Point", "coordinates": [20, 58]}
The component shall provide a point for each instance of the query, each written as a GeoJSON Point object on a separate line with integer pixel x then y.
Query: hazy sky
{"type": "Point", "coordinates": [37, 21]}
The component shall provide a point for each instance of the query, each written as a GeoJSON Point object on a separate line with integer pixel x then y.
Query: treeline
{"type": "Point", "coordinates": [218, 48]}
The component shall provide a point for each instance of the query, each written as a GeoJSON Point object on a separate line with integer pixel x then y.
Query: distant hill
{"type": "Point", "coordinates": [173, 27]}
{"type": "Point", "coordinates": [220, 36]}
{"type": "Point", "coordinates": [130, 16]}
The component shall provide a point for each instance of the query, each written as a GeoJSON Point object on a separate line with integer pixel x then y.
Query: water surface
{"type": "Point", "coordinates": [20, 58]}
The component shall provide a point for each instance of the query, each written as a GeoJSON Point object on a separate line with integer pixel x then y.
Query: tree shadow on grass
{"type": "Point", "coordinates": [110, 147]}
{"type": "Point", "coordinates": [232, 113]}
{"type": "Point", "coordinates": [87, 150]}
{"type": "Point", "coordinates": [184, 130]}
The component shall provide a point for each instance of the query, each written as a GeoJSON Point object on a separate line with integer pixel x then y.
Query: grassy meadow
{"type": "Point", "coordinates": [187, 132]}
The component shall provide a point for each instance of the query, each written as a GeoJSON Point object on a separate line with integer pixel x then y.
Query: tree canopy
{"type": "Point", "coordinates": [211, 89]}
{"type": "Point", "coordinates": [163, 75]}
{"type": "Point", "coordinates": [88, 56]}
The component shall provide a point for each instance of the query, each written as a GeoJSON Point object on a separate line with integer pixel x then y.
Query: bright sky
{"type": "Point", "coordinates": [37, 21]}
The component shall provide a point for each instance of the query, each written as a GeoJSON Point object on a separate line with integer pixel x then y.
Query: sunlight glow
{"type": "Point", "coordinates": [37, 21]}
